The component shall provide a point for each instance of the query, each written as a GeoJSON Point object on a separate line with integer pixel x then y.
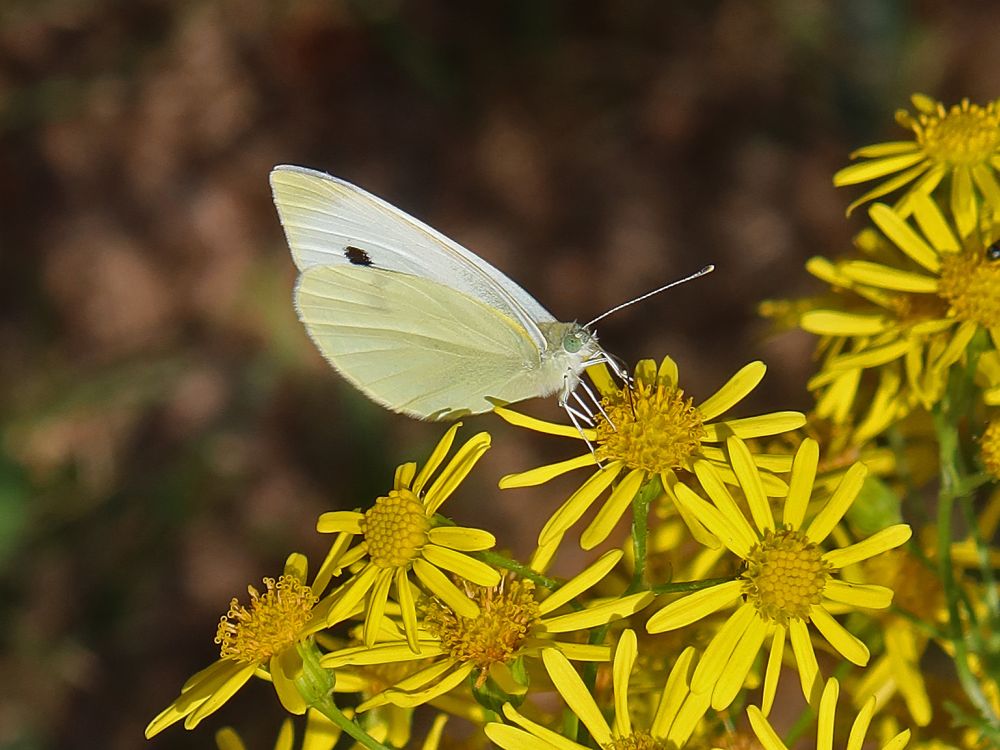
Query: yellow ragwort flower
{"type": "Point", "coordinates": [655, 431]}
{"type": "Point", "coordinates": [826, 723]}
{"type": "Point", "coordinates": [677, 714]}
{"type": "Point", "coordinates": [788, 581]}
{"type": "Point", "coordinates": [917, 306]}
{"type": "Point", "coordinates": [402, 534]}
{"type": "Point", "coordinates": [961, 143]}
{"type": "Point", "coordinates": [260, 639]}
{"type": "Point", "coordinates": [514, 621]}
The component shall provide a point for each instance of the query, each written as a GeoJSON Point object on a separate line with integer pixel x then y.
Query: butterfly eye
{"type": "Point", "coordinates": [993, 251]}
{"type": "Point", "coordinates": [572, 343]}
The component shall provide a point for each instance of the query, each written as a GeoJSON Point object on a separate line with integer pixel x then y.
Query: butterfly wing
{"type": "Point", "coordinates": [330, 222]}
{"type": "Point", "coordinates": [415, 345]}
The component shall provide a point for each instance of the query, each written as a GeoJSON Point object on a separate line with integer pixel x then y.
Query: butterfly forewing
{"type": "Point", "coordinates": [329, 222]}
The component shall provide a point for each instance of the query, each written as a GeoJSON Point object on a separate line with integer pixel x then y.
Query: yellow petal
{"type": "Point", "coordinates": [933, 224]}
{"type": "Point", "coordinates": [875, 168]}
{"type": "Point", "coordinates": [434, 460]}
{"type": "Point", "coordinates": [886, 539]}
{"type": "Point", "coordinates": [735, 672]}
{"type": "Point", "coordinates": [963, 201]}
{"type": "Point", "coordinates": [888, 148]}
{"type": "Point", "coordinates": [867, 596]}
{"type": "Point", "coordinates": [599, 614]}
{"type": "Point", "coordinates": [805, 656]}
{"type": "Point", "coordinates": [753, 489]}
{"type": "Point", "coordinates": [751, 427]}
{"type": "Point", "coordinates": [892, 184]}
{"type": "Point", "coordinates": [775, 658]}
{"type": "Point", "coordinates": [346, 521]}
{"type": "Point", "coordinates": [693, 607]}
{"type": "Point", "coordinates": [440, 585]}
{"type": "Point", "coordinates": [613, 509]}
{"type": "Point", "coordinates": [457, 469]}
{"type": "Point", "coordinates": [801, 483]}
{"type": "Point", "coordinates": [577, 504]}
{"type": "Point", "coordinates": [590, 576]}
{"type": "Point", "coordinates": [764, 731]}
{"type": "Point", "coordinates": [849, 646]}
{"type": "Point", "coordinates": [887, 277]}
{"type": "Point", "coordinates": [837, 323]}
{"type": "Point", "coordinates": [735, 390]}
{"type": "Point", "coordinates": [461, 565]}
{"type": "Point", "coordinates": [838, 504]}
{"type": "Point", "coordinates": [543, 474]}
{"type": "Point", "coordinates": [538, 425]}
{"type": "Point", "coordinates": [461, 538]}
{"type": "Point", "coordinates": [720, 649]}
{"type": "Point", "coordinates": [904, 237]}
{"type": "Point", "coordinates": [625, 656]}
{"type": "Point", "coordinates": [577, 695]}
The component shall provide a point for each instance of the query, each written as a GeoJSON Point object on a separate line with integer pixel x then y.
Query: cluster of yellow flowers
{"type": "Point", "coordinates": [756, 546]}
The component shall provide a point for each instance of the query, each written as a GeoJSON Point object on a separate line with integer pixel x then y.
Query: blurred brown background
{"type": "Point", "coordinates": [168, 432]}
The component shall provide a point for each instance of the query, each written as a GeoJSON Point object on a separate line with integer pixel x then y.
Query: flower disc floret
{"type": "Point", "coordinates": [785, 575]}
{"type": "Point", "coordinates": [970, 283]}
{"type": "Point", "coordinates": [638, 740]}
{"type": "Point", "coordinates": [964, 135]}
{"type": "Point", "coordinates": [653, 428]}
{"type": "Point", "coordinates": [273, 622]}
{"type": "Point", "coordinates": [989, 448]}
{"type": "Point", "coordinates": [507, 615]}
{"type": "Point", "coordinates": [395, 529]}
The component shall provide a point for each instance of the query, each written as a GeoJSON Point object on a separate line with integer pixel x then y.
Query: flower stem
{"type": "Point", "coordinates": [651, 490]}
{"type": "Point", "coordinates": [524, 571]}
{"type": "Point", "coordinates": [315, 685]}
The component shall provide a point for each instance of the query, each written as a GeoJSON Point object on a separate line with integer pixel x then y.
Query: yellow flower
{"type": "Point", "coordinates": [826, 723]}
{"type": "Point", "coordinates": [655, 431]}
{"type": "Point", "coordinates": [513, 622]}
{"type": "Point", "coordinates": [259, 640]}
{"type": "Point", "coordinates": [677, 714]}
{"type": "Point", "coordinates": [962, 143]}
{"type": "Point", "coordinates": [402, 534]}
{"type": "Point", "coordinates": [787, 582]}
{"type": "Point", "coordinates": [917, 305]}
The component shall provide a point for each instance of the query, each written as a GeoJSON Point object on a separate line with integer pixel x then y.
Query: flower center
{"type": "Point", "coordinates": [395, 529]}
{"type": "Point", "coordinates": [655, 428]}
{"type": "Point", "coordinates": [785, 575]}
{"type": "Point", "coordinates": [507, 614]}
{"type": "Point", "coordinates": [638, 740]}
{"type": "Point", "coordinates": [989, 448]}
{"type": "Point", "coordinates": [967, 134]}
{"type": "Point", "coordinates": [273, 622]}
{"type": "Point", "coordinates": [970, 283]}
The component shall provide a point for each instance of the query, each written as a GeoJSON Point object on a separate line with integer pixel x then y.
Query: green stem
{"type": "Point", "coordinates": [686, 587]}
{"type": "Point", "coordinates": [649, 491]}
{"type": "Point", "coordinates": [315, 685]}
{"type": "Point", "coordinates": [524, 571]}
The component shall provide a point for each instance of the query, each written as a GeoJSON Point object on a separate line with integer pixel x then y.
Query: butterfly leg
{"type": "Point", "coordinates": [576, 416]}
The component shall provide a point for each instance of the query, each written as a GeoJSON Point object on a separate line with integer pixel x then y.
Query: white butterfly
{"type": "Point", "coordinates": [413, 319]}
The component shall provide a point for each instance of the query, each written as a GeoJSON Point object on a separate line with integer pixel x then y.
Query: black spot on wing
{"type": "Point", "coordinates": [993, 251]}
{"type": "Point", "coordinates": [357, 256]}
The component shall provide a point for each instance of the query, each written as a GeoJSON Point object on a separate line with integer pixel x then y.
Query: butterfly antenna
{"type": "Point", "coordinates": [647, 295]}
